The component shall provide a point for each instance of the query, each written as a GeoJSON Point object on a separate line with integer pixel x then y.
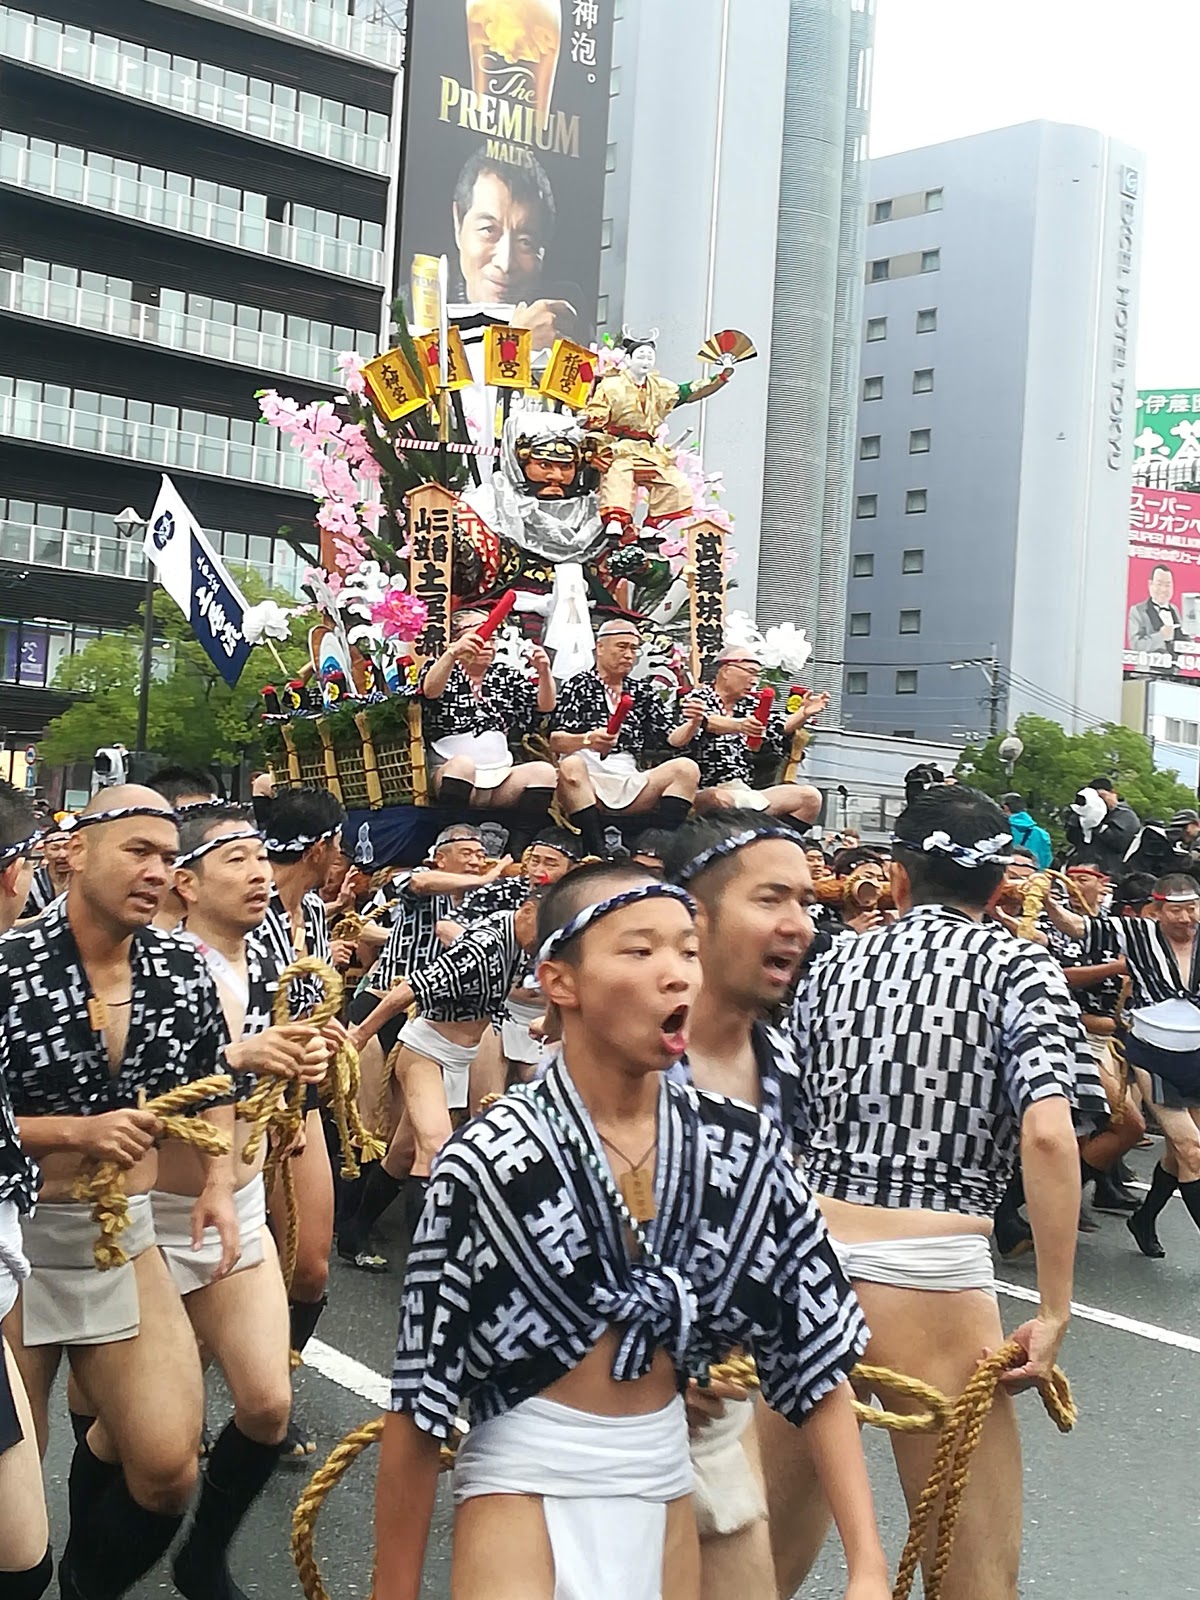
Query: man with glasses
{"type": "Point", "coordinates": [598, 770]}
{"type": "Point", "coordinates": [721, 721]}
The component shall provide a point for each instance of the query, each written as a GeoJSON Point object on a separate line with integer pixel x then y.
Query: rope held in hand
{"type": "Point", "coordinates": [103, 1182]}
{"type": "Point", "coordinates": [276, 1105]}
{"type": "Point", "coordinates": [960, 1423]}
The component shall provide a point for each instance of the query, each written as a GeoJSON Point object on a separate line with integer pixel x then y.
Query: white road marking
{"type": "Point", "coordinates": [348, 1373]}
{"type": "Point", "coordinates": [1110, 1319]}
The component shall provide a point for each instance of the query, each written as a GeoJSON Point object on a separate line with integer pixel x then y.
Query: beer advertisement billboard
{"type": "Point", "coordinates": [505, 138]}
{"type": "Point", "coordinates": [1162, 602]}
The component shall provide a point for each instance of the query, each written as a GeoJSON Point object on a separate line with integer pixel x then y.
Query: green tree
{"type": "Point", "coordinates": [1055, 765]}
{"type": "Point", "coordinates": [194, 717]}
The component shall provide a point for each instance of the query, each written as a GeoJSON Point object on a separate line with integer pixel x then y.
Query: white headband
{"type": "Point", "coordinates": [302, 841]}
{"type": "Point", "coordinates": [186, 859]}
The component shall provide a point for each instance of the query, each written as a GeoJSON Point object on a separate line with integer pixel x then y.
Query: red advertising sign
{"type": "Point", "coordinates": [1162, 619]}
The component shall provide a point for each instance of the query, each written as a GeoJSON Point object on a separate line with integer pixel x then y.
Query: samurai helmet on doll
{"type": "Point", "coordinates": [631, 341]}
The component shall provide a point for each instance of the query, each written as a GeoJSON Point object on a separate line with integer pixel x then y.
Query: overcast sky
{"type": "Point", "coordinates": [947, 68]}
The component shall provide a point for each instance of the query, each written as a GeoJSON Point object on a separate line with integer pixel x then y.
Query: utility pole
{"type": "Point", "coordinates": [989, 665]}
{"type": "Point", "coordinates": [992, 673]}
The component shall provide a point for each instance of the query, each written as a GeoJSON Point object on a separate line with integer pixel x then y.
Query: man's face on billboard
{"type": "Point", "coordinates": [500, 249]}
{"type": "Point", "coordinates": [1162, 586]}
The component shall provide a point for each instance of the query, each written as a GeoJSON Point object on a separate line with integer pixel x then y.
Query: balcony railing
{"type": "Point", "coordinates": [42, 43]}
{"type": "Point", "coordinates": [379, 42]}
{"type": "Point", "coordinates": [65, 303]}
{"type": "Point", "coordinates": [43, 422]}
{"type": "Point", "coordinates": [28, 169]}
{"type": "Point", "coordinates": [33, 544]}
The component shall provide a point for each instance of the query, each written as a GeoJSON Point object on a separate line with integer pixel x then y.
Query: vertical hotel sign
{"type": "Point", "coordinates": [1120, 390]}
{"type": "Point", "coordinates": [504, 154]}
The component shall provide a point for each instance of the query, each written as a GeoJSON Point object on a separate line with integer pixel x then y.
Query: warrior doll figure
{"type": "Point", "coordinates": [623, 416]}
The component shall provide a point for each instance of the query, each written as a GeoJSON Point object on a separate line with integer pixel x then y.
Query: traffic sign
{"type": "Point", "coordinates": [31, 752]}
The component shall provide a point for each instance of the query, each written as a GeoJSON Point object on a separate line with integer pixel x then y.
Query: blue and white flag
{"type": "Point", "coordinates": [196, 578]}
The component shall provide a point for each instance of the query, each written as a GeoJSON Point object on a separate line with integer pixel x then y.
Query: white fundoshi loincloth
{"type": "Point", "coordinates": [196, 1269]}
{"type": "Point", "coordinates": [729, 1496]}
{"type": "Point", "coordinates": [67, 1299]}
{"type": "Point", "coordinates": [604, 1482]}
{"type": "Point", "coordinates": [516, 1040]}
{"type": "Point", "coordinates": [615, 778]}
{"type": "Point", "coordinates": [744, 797]}
{"type": "Point", "coordinates": [423, 1039]}
{"type": "Point", "coordinates": [489, 751]}
{"type": "Point", "coordinates": [942, 1263]}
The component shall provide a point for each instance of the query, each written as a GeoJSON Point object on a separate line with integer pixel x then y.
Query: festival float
{"type": "Point", "coordinates": [547, 491]}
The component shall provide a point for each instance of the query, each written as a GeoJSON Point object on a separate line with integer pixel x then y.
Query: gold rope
{"type": "Point", "coordinates": [325, 1478]}
{"type": "Point", "coordinates": [102, 1183]}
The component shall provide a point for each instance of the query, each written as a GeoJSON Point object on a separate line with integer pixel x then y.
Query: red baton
{"type": "Point", "coordinates": [762, 711]}
{"type": "Point", "coordinates": [497, 614]}
{"type": "Point", "coordinates": [623, 707]}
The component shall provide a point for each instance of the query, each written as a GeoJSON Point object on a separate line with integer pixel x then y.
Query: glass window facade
{"type": "Point", "coordinates": [341, 246]}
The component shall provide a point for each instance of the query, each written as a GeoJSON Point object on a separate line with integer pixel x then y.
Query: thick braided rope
{"type": "Point", "coordinates": [960, 1423]}
{"type": "Point", "coordinates": [740, 1368]}
{"type": "Point", "coordinates": [952, 1464]}
{"type": "Point", "coordinates": [102, 1183]}
{"type": "Point", "coordinates": [316, 1491]}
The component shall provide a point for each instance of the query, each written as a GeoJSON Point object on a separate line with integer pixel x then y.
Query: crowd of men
{"type": "Point", "coordinates": [641, 1106]}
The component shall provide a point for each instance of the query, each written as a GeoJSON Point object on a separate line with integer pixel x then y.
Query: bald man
{"type": "Point", "coordinates": [597, 770]}
{"type": "Point", "coordinates": [97, 1007]}
{"type": "Point", "coordinates": [720, 721]}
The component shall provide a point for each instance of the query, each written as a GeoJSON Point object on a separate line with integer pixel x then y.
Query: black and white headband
{"type": "Point", "coordinates": [583, 920]}
{"type": "Point", "coordinates": [190, 856]}
{"type": "Point", "coordinates": [73, 824]}
{"type": "Point", "coordinates": [302, 841]}
{"type": "Point", "coordinates": [729, 846]}
{"type": "Point", "coordinates": [981, 853]}
{"type": "Point", "coordinates": [22, 847]}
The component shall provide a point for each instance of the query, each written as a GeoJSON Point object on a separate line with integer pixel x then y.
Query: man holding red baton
{"type": "Point", "coordinates": [727, 722]}
{"type": "Point", "coordinates": [471, 707]}
{"type": "Point", "coordinates": [606, 718]}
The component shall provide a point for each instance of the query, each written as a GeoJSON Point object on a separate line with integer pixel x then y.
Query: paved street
{"type": "Point", "coordinates": [1111, 1510]}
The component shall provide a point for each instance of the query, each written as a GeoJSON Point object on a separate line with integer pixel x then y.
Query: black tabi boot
{"type": "Point", "coordinates": [115, 1543]}
{"type": "Point", "coordinates": [591, 830]}
{"type": "Point", "coordinates": [1013, 1235]}
{"type": "Point", "coordinates": [1141, 1223]}
{"type": "Point", "coordinates": [1109, 1194]}
{"type": "Point", "coordinates": [379, 1189]}
{"type": "Point", "coordinates": [236, 1474]}
{"type": "Point", "coordinates": [529, 817]}
{"type": "Point", "coordinates": [30, 1584]}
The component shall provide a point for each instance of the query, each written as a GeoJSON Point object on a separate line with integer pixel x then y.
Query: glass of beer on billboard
{"type": "Point", "coordinates": [514, 47]}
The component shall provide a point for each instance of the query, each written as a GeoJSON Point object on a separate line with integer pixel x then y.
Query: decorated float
{"type": "Point", "coordinates": [545, 489]}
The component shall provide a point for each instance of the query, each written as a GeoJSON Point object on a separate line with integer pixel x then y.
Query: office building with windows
{"type": "Point", "coordinates": [194, 204]}
{"type": "Point", "coordinates": [996, 414]}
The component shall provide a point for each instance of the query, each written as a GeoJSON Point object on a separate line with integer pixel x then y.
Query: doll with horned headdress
{"type": "Point", "coordinates": [623, 416]}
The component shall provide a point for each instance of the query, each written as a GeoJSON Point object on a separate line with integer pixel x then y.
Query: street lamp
{"type": "Point", "coordinates": [129, 523]}
{"type": "Point", "coordinates": [1010, 752]}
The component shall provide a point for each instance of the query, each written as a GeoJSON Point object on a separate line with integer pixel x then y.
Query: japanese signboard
{"type": "Point", "coordinates": [569, 374]}
{"type": "Point", "coordinates": [195, 577]}
{"type": "Point", "coordinates": [706, 582]}
{"type": "Point", "coordinates": [506, 353]}
{"type": "Point", "coordinates": [503, 161]}
{"type": "Point", "coordinates": [395, 388]}
{"type": "Point", "coordinates": [1168, 427]}
{"type": "Point", "coordinates": [431, 551]}
{"type": "Point", "coordinates": [458, 373]}
{"type": "Point", "coordinates": [1162, 624]}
